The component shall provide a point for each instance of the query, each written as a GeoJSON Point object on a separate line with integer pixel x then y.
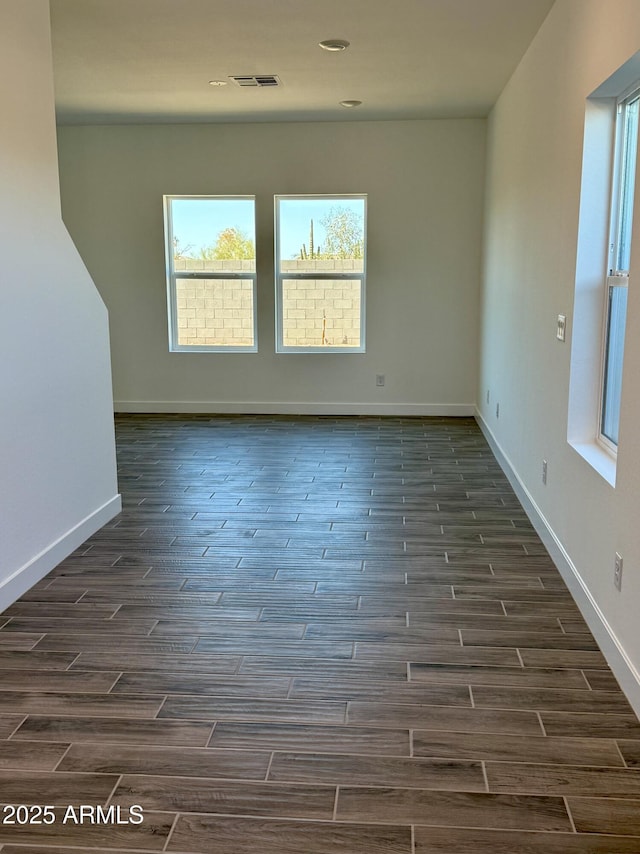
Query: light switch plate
{"type": "Point", "coordinates": [562, 327]}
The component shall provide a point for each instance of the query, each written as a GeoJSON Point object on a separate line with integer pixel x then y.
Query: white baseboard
{"type": "Point", "coordinates": [29, 574]}
{"type": "Point", "coordinates": [622, 666]}
{"type": "Point", "coordinates": [218, 407]}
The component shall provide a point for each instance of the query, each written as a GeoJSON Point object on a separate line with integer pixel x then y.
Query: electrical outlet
{"type": "Point", "coordinates": [544, 472]}
{"type": "Point", "coordinates": [380, 380]}
{"type": "Point", "coordinates": [488, 396]}
{"type": "Point", "coordinates": [617, 571]}
{"type": "Point", "coordinates": [497, 410]}
{"type": "Point", "coordinates": [562, 327]}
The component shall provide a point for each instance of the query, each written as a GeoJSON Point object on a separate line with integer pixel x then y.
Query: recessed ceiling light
{"type": "Point", "coordinates": [217, 82]}
{"type": "Point", "coordinates": [350, 103]}
{"type": "Point", "coordinates": [334, 44]}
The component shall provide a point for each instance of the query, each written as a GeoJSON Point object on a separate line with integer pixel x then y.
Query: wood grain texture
{"type": "Point", "coordinates": [314, 635]}
{"type": "Point", "coordinates": [605, 815]}
{"type": "Point", "coordinates": [565, 780]}
{"type": "Point", "coordinates": [518, 748]}
{"type": "Point", "coordinates": [455, 809]}
{"type": "Point", "coordinates": [230, 797]}
{"type": "Point", "coordinates": [59, 788]}
{"type": "Point", "coordinates": [443, 717]}
{"type": "Point", "coordinates": [344, 739]}
{"type": "Point", "coordinates": [151, 835]}
{"type": "Point", "coordinates": [378, 770]}
{"type": "Point", "coordinates": [440, 840]}
{"type": "Point", "coordinates": [246, 836]}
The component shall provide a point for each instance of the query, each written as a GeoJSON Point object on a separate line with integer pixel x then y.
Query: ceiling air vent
{"type": "Point", "coordinates": [261, 80]}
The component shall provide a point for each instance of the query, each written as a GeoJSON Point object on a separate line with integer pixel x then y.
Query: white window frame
{"type": "Point", "coordinates": [318, 275]}
{"type": "Point", "coordinates": [173, 276]}
{"type": "Point", "coordinates": [615, 278]}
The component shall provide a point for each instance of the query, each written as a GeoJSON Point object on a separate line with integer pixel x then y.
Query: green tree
{"type": "Point", "coordinates": [232, 244]}
{"type": "Point", "coordinates": [344, 234]}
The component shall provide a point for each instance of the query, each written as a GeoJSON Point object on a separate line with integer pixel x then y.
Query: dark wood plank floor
{"type": "Point", "coordinates": [310, 636]}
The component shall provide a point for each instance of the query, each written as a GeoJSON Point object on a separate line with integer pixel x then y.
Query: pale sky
{"type": "Point", "coordinates": [197, 222]}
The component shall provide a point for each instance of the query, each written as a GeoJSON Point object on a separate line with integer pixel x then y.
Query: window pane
{"type": "Point", "coordinates": [215, 312]}
{"type": "Point", "coordinates": [627, 185]}
{"type": "Point", "coordinates": [321, 312]}
{"type": "Point", "coordinates": [613, 363]}
{"type": "Point", "coordinates": [213, 235]}
{"type": "Point", "coordinates": [321, 245]}
{"type": "Point", "coordinates": [315, 232]}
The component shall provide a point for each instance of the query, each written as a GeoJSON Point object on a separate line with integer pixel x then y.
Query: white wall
{"type": "Point", "coordinates": [424, 180]}
{"type": "Point", "coordinates": [532, 203]}
{"type": "Point", "coordinates": [57, 468]}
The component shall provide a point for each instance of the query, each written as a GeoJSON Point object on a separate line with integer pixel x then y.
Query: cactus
{"type": "Point", "coordinates": [314, 252]}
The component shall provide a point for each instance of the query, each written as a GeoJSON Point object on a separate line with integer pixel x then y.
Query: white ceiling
{"type": "Point", "coordinates": [151, 60]}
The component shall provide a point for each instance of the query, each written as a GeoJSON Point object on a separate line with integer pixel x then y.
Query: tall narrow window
{"type": "Point", "coordinates": [320, 273]}
{"type": "Point", "coordinates": [620, 262]}
{"type": "Point", "coordinates": [211, 273]}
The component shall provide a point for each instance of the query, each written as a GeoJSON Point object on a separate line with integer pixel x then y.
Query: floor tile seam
{"type": "Point", "coordinates": [454, 731]}
{"type": "Point", "coordinates": [303, 750]}
{"type": "Point", "coordinates": [237, 785]}
{"type": "Point", "coordinates": [338, 789]}
{"type": "Point", "coordinates": [34, 643]}
{"type": "Point", "coordinates": [115, 741]}
{"type": "Point", "coordinates": [541, 723]}
{"type": "Point", "coordinates": [186, 695]}
{"type": "Point", "coordinates": [428, 758]}
{"type": "Point", "coordinates": [348, 820]}
{"type": "Point", "coordinates": [97, 714]}
{"type": "Point", "coordinates": [275, 819]}
{"type": "Point", "coordinates": [370, 822]}
{"type": "Point", "coordinates": [484, 775]}
{"type": "Point", "coordinates": [207, 745]}
{"type": "Point", "coordinates": [410, 706]}
{"type": "Point", "coordinates": [546, 633]}
{"type": "Point", "coordinates": [67, 669]}
{"type": "Point", "coordinates": [290, 687]}
{"type": "Point", "coordinates": [622, 756]}
{"type": "Point", "coordinates": [523, 792]}
{"type": "Point", "coordinates": [487, 669]}
{"type": "Point", "coordinates": [117, 784]}
{"type": "Point", "coordinates": [8, 737]}
{"type": "Point", "coordinates": [569, 813]}
{"type": "Point", "coordinates": [448, 757]}
{"type": "Point", "coordinates": [57, 847]}
{"type": "Point", "coordinates": [185, 749]}
{"type": "Point", "coordinates": [62, 758]}
{"type": "Point", "coordinates": [58, 774]}
{"type": "Point", "coordinates": [335, 803]}
{"type": "Point", "coordinates": [562, 766]}
{"type": "Point", "coordinates": [586, 679]}
{"type": "Point", "coordinates": [159, 709]}
{"type": "Point", "coordinates": [546, 710]}
{"type": "Point", "coordinates": [252, 720]}
{"type": "Point", "coordinates": [174, 824]}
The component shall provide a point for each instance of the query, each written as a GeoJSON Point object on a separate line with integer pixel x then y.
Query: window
{"type": "Point", "coordinates": [603, 262]}
{"type": "Point", "coordinates": [211, 273]}
{"type": "Point", "coordinates": [320, 274]}
{"type": "Point", "coordinates": [619, 263]}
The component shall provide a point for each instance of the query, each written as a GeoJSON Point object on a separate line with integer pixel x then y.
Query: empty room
{"type": "Point", "coordinates": [321, 348]}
